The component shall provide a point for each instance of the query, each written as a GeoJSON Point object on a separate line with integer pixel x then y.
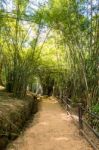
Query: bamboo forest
{"type": "Point", "coordinates": [49, 74]}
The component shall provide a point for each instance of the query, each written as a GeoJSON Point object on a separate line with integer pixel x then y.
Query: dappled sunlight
{"type": "Point", "coordinates": [49, 67]}
{"type": "Point", "coordinates": [53, 130]}
{"type": "Point", "coordinates": [66, 117]}
{"type": "Point", "coordinates": [75, 117]}
{"type": "Point", "coordinates": [50, 101]}
{"type": "Point", "coordinates": [2, 88]}
{"type": "Point", "coordinates": [61, 139]}
{"type": "Point", "coordinates": [44, 123]}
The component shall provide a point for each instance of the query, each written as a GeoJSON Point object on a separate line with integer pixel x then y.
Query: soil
{"type": "Point", "coordinates": [14, 115]}
{"type": "Point", "coordinates": [51, 129]}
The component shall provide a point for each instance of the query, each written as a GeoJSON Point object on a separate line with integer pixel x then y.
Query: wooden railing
{"type": "Point", "coordinates": [85, 120]}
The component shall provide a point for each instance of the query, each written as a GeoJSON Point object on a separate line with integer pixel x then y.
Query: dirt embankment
{"type": "Point", "coordinates": [13, 115]}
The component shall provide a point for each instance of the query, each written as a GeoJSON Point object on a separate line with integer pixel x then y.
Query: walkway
{"type": "Point", "coordinates": [52, 129]}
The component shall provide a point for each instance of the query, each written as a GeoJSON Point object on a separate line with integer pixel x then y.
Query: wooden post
{"type": "Point", "coordinates": [67, 107]}
{"type": "Point", "coordinates": [80, 115]}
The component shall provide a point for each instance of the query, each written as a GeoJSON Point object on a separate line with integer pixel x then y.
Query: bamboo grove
{"type": "Point", "coordinates": [55, 41]}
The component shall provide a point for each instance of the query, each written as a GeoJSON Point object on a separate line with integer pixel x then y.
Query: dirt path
{"type": "Point", "coordinates": [51, 129]}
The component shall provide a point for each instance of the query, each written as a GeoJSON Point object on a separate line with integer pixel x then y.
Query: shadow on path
{"type": "Point", "coordinates": [51, 129]}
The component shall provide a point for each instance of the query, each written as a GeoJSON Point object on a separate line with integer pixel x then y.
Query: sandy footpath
{"type": "Point", "coordinates": [51, 129]}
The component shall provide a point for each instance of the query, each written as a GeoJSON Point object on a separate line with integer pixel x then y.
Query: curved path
{"type": "Point", "coordinates": [51, 129]}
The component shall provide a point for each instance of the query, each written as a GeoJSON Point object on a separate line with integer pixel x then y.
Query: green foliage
{"type": "Point", "coordinates": [95, 109]}
{"type": "Point", "coordinates": [58, 43]}
{"type": "Point", "coordinates": [78, 34]}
